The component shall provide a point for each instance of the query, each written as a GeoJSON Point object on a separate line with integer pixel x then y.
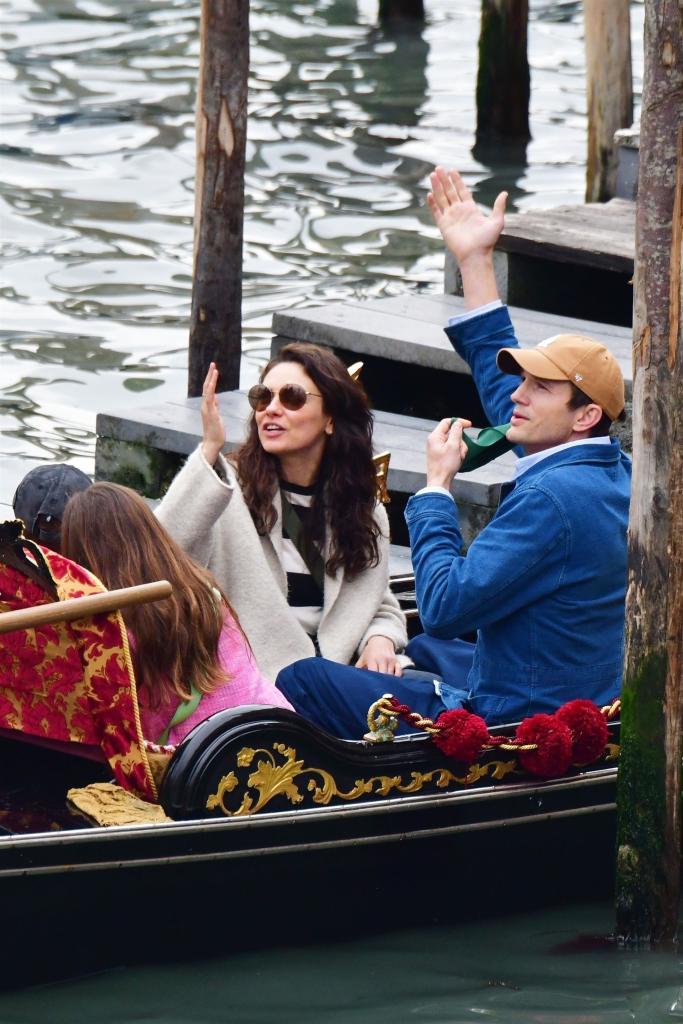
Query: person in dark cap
{"type": "Point", "coordinates": [40, 499]}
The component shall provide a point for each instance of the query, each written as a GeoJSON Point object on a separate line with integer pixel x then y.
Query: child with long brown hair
{"type": "Point", "coordinates": [190, 654]}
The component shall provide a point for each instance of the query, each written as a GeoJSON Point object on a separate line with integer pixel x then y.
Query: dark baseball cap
{"type": "Point", "coordinates": [41, 497]}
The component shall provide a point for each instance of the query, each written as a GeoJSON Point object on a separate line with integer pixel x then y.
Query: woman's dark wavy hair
{"type": "Point", "coordinates": [346, 488]}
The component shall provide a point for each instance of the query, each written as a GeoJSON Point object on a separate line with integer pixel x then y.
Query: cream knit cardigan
{"type": "Point", "coordinates": [208, 517]}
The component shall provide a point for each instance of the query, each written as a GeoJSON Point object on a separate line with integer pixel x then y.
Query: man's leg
{"type": "Point", "coordinates": [450, 659]}
{"type": "Point", "coordinates": [337, 697]}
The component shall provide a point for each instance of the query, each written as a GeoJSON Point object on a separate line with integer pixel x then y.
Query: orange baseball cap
{"type": "Point", "coordinates": [577, 359]}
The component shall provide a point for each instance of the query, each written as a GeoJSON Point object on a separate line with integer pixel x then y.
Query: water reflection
{"type": "Point", "coordinates": [506, 164]}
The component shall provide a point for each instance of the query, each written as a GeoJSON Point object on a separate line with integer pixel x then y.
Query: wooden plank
{"type": "Point", "coordinates": [376, 329]}
{"type": "Point", "coordinates": [410, 329]}
{"type": "Point", "coordinates": [598, 235]}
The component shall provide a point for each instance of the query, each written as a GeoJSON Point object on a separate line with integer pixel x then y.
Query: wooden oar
{"type": "Point", "coordinates": [83, 607]}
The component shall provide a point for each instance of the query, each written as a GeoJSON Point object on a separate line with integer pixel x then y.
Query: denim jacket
{"type": "Point", "coordinates": [544, 582]}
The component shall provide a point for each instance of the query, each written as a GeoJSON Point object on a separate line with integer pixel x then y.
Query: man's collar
{"type": "Point", "coordinates": [527, 461]}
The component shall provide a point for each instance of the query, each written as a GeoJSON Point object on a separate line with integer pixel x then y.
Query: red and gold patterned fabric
{"type": "Point", "coordinates": [72, 681]}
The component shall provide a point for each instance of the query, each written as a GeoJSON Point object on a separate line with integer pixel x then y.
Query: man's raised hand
{"type": "Point", "coordinates": [469, 233]}
{"type": "Point", "coordinates": [465, 228]}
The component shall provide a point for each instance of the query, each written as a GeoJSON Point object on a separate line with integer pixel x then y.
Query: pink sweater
{"type": "Point", "coordinates": [246, 685]}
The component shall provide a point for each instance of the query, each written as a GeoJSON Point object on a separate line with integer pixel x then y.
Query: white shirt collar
{"type": "Point", "coordinates": [470, 314]}
{"type": "Point", "coordinates": [527, 461]}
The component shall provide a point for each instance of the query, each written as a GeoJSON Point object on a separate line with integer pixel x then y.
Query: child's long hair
{"type": "Point", "coordinates": [111, 531]}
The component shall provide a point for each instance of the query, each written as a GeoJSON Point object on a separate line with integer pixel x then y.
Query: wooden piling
{"type": "Point", "coordinates": [401, 10]}
{"type": "Point", "coordinates": [216, 317]}
{"type": "Point", "coordinates": [649, 795]}
{"type": "Point", "coordinates": [609, 90]}
{"type": "Point", "coordinates": [503, 81]}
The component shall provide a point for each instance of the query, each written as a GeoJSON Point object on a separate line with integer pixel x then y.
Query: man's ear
{"type": "Point", "coordinates": [588, 417]}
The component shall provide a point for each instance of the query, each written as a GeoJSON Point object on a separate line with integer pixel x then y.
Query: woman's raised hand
{"type": "Point", "coordinates": [213, 427]}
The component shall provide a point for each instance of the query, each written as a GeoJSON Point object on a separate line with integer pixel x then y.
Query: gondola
{"type": "Point", "coordinates": [268, 821]}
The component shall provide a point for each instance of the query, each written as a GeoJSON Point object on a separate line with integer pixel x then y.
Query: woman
{"type": "Point", "coordinates": [290, 525]}
{"type": "Point", "coordinates": [191, 657]}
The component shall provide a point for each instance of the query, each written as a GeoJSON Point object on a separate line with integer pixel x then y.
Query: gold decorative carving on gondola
{"type": "Point", "coordinates": [277, 776]}
{"type": "Point", "coordinates": [382, 473]}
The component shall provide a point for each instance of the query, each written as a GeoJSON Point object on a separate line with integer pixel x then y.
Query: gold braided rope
{"type": "Point", "coordinates": [384, 707]}
{"type": "Point", "coordinates": [611, 710]}
{"type": "Point", "coordinates": [383, 719]}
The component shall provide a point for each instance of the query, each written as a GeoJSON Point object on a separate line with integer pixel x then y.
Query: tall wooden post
{"type": "Point", "coordinates": [649, 796]}
{"type": "Point", "coordinates": [609, 88]}
{"type": "Point", "coordinates": [503, 82]}
{"type": "Point", "coordinates": [401, 10]}
{"type": "Point", "coordinates": [216, 317]}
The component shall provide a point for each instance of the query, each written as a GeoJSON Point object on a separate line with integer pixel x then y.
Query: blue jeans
{"type": "Point", "coordinates": [337, 697]}
{"type": "Point", "coordinates": [450, 659]}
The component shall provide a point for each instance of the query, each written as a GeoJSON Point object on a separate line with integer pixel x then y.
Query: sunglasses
{"type": "Point", "coordinates": [291, 396]}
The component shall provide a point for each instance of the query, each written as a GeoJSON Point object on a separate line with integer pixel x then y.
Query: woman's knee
{"type": "Point", "coordinates": [294, 678]}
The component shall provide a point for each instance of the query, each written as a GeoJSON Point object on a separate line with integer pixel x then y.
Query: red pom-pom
{"type": "Point", "coordinates": [588, 727]}
{"type": "Point", "coordinates": [462, 734]}
{"type": "Point", "coordinates": [554, 741]}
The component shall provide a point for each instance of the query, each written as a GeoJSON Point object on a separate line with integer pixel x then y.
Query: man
{"type": "Point", "coordinates": [41, 497]}
{"type": "Point", "coordinates": [543, 584]}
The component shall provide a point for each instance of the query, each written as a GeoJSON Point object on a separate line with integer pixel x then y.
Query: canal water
{"type": "Point", "coordinates": [96, 203]}
{"type": "Point", "coordinates": [554, 967]}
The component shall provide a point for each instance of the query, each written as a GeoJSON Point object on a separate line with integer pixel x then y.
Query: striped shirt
{"type": "Point", "coordinates": [303, 594]}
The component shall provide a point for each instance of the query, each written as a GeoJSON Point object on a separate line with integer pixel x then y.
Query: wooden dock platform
{"type": "Point", "coordinates": [571, 260]}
